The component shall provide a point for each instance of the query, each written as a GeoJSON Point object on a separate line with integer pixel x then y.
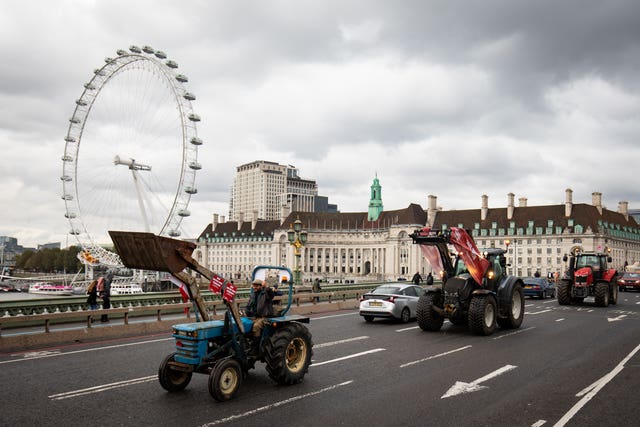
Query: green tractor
{"type": "Point", "coordinates": [475, 288]}
{"type": "Point", "coordinates": [225, 349]}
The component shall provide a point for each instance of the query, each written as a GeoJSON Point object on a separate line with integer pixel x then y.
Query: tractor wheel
{"type": "Point", "coordinates": [405, 316]}
{"type": "Point", "coordinates": [225, 379]}
{"type": "Point", "coordinates": [482, 314]}
{"type": "Point", "coordinates": [171, 379]}
{"type": "Point", "coordinates": [515, 309]}
{"type": "Point", "coordinates": [564, 292]}
{"type": "Point", "coordinates": [368, 319]}
{"type": "Point", "coordinates": [602, 294]}
{"type": "Point", "coordinates": [288, 353]}
{"type": "Point", "coordinates": [428, 318]}
{"type": "Point", "coordinates": [613, 298]}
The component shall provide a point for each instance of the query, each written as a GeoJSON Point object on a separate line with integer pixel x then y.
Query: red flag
{"type": "Point", "coordinates": [184, 292]}
{"type": "Point", "coordinates": [473, 259]}
{"type": "Point", "coordinates": [229, 292]}
{"type": "Point", "coordinates": [216, 284]}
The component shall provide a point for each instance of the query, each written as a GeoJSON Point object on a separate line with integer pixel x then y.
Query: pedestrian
{"type": "Point", "coordinates": [416, 278]}
{"type": "Point", "coordinates": [259, 307]}
{"type": "Point", "coordinates": [429, 279]}
{"type": "Point", "coordinates": [106, 294]}
{"type": "Point", "coordinates": [536, 274]}
{"type": "Point", "coordinates": [92, 299]}
{"type": "Point", "coordinates": [315, 288]}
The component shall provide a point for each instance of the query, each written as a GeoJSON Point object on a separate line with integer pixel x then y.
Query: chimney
{"type": "Point", "coordinates": [254, 220]}
{"type": "Point", "coordinates": [596, 200]}
{"type": "Point", "coordinates": [510, 205]}
{"type": "Point", "coordinates": [485, 207]}
{"type": "Point", "coordinates": [222, 220]}
{"type": "Point", "coordinates": [214, 224]}
{"type": "Point", "coordinates": [431, 210]}
{"type": "Point", "coordinates": [240, 220]}
{"type": "Point", "coordinates": [568, 202]}
{"type": "Point", "coordinates": [285, 212]}
{"type": "Point", "coordinates": [522, 202]}
{"type": "Point", "coordinates": [623, 208]}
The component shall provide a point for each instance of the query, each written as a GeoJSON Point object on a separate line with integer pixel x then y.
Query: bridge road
{"type": "Point", "coordinates": [380, 373]}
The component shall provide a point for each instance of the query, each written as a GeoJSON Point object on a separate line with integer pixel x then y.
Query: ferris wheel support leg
{"type": "Point", "coordinates": [140, 202]}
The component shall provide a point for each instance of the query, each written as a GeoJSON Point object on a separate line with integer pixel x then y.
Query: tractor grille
{"type": "Point", "coordinates": [187, 351]}
{"type": "Point", "coordinates": [581, 280]}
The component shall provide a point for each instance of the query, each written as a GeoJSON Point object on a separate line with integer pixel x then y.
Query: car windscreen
{"type": "Point", "coordinates": [386, 290]}
{"type": "Point", "coordinates": [533, 281]}
{"type": "Point", "coordinates": [631, 275]}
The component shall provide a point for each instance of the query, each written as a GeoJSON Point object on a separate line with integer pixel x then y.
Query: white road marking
{"type": "Point", "coordinates": [329, 344]}
{"type": "Point", "coordinates": [594, 388]}
{"type": "Point", "coordinates": [435, 356]}
{"type": "Point", "coordinates": [560, 319]}
{"type": "Point", "coordinates": [615, 319]}
{"type": "Point", "coordinates": [539, 423]}
{"type": "Point", "coordinates": [407, 329]}
{"type": "Point", "coordinates": [275, 405]}
{"type": "Point", "coordinates": [461, 387]}
{"type": "Point", "coordinates": [538, 312]}
{"type": "Point", "coordinates": [42, 354]}
{"type": "Point", "coordinates": [552, 301]}
{"type": "Point", "coordinates": [351, 356]}
{"type": "Point", "coordinates": [519, 331]}
{"type": "Point", "coordinates": [334, 315]}
{"type": "Point", "coordinates": [101, 388]}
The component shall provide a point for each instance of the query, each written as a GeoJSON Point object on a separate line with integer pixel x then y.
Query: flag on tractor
{"type": "Point", "coordinates": [216, 283]}
{"type": "Point", "coordinates": [229, 292]}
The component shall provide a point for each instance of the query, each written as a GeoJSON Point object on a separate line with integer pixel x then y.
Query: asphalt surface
{"type": "Point", "coordinates": [566, 365]}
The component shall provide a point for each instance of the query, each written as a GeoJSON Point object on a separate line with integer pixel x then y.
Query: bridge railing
{"type": "Point", "coordinates": [47, 319]}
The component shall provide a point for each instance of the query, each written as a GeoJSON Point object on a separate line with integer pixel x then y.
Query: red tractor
{"type": "Point", "coordinates": [588, 276]}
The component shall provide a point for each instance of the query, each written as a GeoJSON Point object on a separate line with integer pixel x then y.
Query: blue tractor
{"type": "Point", "coordinates": [224, 349]}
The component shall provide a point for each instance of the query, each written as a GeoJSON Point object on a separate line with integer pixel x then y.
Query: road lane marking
{"type": "Point", "coordinates": [538, 312]}
{"type": "Point", "coordinates": [101, 388]}
{"type": "Point", "coordinates": [461, 387]}
{"type": "Point", "coordinates": [519, 331]}
{"type": "Point", "coordinates": [539, 423]}
{"type": "Point", "coordinates": [351, 356]}
{"type": "Point", "coordinates": [590, 392]}
{"type": "Point", "coordinates": [275, 405]}
{"type": "Point", "coordinates": [329, 344]}
{"type": "Point", "coordinates": [615, 319]}
{"type": "Point", "coordinates": [42, 355]}
{"type": "Point", "coordinates": [560, 319]}
{"type": "Point", "coordinates": [334, 315]}
{"type": "Point", "coordinates": [434, 356]}
{"type": "Point", "coordinates": [407, 329]}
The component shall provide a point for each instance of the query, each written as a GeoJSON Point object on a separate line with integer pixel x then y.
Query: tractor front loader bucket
{"type": "Point", "coordinates": [146, 251]}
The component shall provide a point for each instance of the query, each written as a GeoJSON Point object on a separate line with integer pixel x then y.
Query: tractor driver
{"type": "Point", "coordinates": [260, 305]}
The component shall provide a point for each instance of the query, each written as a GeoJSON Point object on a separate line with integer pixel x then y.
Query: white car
{"type": "Point", "coordinates": [391, 300]}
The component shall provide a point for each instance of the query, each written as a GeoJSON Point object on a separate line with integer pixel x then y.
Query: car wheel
{"type": "Point", "coordinates": [368, 319]}
{"type": "Point", "coordinates": [405, 316]}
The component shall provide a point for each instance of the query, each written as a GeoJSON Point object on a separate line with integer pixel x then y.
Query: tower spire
{"type": "Point", "coordinates": [375, 201]}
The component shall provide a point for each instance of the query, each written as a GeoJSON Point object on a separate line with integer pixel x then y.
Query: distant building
{"type": "Point", "coordinates": [49, 246]}
{"type": "Point", "coordinates": [351, 246]}
{"type": "Point", "coordinates": [261, 188]}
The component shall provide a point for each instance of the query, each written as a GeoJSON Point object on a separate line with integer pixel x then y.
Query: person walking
{"type": "Point", "coordinates": [316, 289]}
{"type": "Point", "coordinates": [429, 279]}
{"type": "Point", "coordinates": [106, 294]}
{"type": "Point", "coordinates": [92, 299]}
{"type": "Point", "coordinates": [416, 278]}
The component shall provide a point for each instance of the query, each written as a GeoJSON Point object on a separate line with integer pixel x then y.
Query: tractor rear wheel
{"type": "Point", "coordinates": [564, 292]}
{"type": "Point", "coordinates": [515, 309]}
{"type": "Point", "coordinates": [482, 314]}
{"type": "Point", "coordinates": [602, 294]}
{"type": "Point", "coordinates": [225, 379]}
{"type": "Point", "coordinates": [288, 353]}
{"type": "Point", "coordinates": [428, 318]}
{"type": "Point", "coordinates": [171, 379]}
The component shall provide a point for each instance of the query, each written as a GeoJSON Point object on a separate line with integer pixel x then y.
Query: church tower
{"type": "Point", "coordinates": [375, 203]}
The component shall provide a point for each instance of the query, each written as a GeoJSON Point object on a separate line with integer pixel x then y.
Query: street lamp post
{"type": "Point", "coordinates": [507, 242]}
{"type": "Point", "coordinates": [297, 238]}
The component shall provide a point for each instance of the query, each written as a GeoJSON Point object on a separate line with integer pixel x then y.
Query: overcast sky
{"type": "Point", "coordinates": [451, 98]}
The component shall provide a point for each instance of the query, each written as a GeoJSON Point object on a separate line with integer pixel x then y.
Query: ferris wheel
{"type": "Point", "coordinates": [131, 152]}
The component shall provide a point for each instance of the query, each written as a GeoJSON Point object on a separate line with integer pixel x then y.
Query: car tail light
{"type": "Point", "coordinates": [361, 298]}
{"type": "Point", "coordinates": [392, 299]}
{"type": "Point", "coordinates": [536, 287]}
